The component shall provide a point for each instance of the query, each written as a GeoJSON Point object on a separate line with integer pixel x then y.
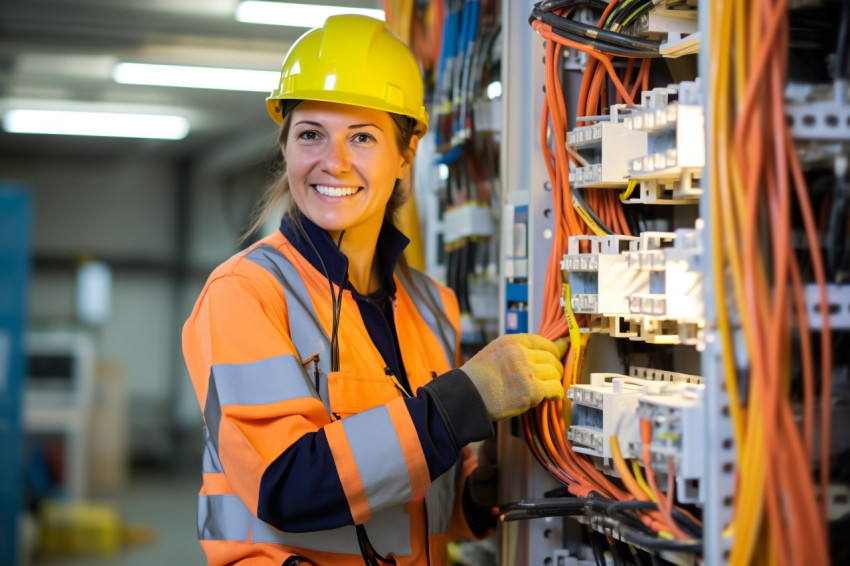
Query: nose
{"type": "Point", "coordinates": [337, 158]}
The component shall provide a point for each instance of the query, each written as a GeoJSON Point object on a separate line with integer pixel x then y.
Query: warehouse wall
{"type": "Point", "coordinates": [162, 224]}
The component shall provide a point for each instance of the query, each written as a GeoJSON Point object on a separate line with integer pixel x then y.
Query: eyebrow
{"type": "Point", "coordinates": [351, 127]}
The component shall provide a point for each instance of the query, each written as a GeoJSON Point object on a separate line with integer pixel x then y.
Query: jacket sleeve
{"type": "Point", "coordinates": [279, 451]}
{"type": "Point", "coordinates": [455, 394]}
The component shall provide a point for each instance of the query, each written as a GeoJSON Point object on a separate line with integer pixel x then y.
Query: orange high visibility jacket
{"type": "Point", "coordinates": [296, 454]}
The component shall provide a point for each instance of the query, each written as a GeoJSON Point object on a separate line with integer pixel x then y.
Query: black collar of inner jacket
{"type": "Point", "coordinates": [391, 244]}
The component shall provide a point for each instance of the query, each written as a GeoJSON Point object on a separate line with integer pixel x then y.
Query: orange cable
{"type": "Point", "coordinates": [663, 505]}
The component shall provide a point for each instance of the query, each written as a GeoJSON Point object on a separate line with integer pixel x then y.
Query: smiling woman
{"type": "Point", "coordinates": [338, 429]}
{"type": "Point", "coordinates": [344, 164]}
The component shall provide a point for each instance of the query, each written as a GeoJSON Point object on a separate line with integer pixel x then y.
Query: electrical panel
{"type": "Point", "coordinates": [675, 203]}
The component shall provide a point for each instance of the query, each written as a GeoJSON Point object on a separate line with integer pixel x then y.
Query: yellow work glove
{"type": "Point", "coordinates": [516, 372]}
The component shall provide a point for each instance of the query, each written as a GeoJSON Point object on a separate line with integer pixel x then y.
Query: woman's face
{"type": "Point", "coordinates": [342, 163]}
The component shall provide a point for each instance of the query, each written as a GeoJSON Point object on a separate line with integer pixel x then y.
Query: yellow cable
{"type": "Point", "coordinates": [641, 481]}
{"type": "Point", "coordinates": [582, 212]}
{"type": "Point", "coordinates": [575, 338]}
{"type": "Point", "coordinates": [572, 323]}
{"type": "Point", "coordinates": [749, 507]}
{"type": "Point", "coordinates": [724, 229]}
{"type": "Point", "coordinates": [630, 188]}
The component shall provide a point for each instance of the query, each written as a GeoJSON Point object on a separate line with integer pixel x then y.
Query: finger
{"type": "Point", "coordinates": [551, 390]}
{"type": "Point", "coordinates": [546, 372]}
{"type": "Point", "coordinates": [563, 345]}
{"type": "Point", "coordinates": [538, 358]}
{"type": "Point", "coordinates": [537, 342]}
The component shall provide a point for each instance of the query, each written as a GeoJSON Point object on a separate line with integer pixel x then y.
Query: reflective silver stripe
{"type": "Point", "coordinates": [211, 463]}
{"type": "Point", "coordinates": [280, 378]}
{"type": "Point", "coordinates": [380, 460]}
{"type": "Point", "coordinates": [212, 413]}
{"type": "Point", "coordinates": [426, 298]}
{"type": "Point", "coordinates": [223, 517]}
{"type": "Point", "coordinates": [389, 532]}
{"type": "Point", "coordinates": [256, 383]}
{"type": "Point", "coordinates": [440, 499]}
{"type": "Point", "coordinates": [306, 331]}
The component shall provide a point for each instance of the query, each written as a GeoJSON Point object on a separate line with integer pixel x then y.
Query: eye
{"type": "Point", "coordinates": [363, 137]}
{"type": "Point", "coordinates": [308, 135]}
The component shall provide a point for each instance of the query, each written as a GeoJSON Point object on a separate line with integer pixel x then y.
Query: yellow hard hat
{"type": "Point", "coordinates": [352, 60]}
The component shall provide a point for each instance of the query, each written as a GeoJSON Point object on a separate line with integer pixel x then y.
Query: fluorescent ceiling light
{"type": "Point", "coordinates": [295, 15]}
{"type": "Point", "coordinates": [195, 77]}
{"type": "Point", "coordinates": [108, 124]}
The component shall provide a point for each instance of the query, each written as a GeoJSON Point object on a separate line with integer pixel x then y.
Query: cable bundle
{"type": "Point", "coordinates": [611, 516]}
{"type": "Point", "coordinates": [755, 174]}
{"type": "Point", "coordinates": [596, 211]}
{"type": "Point", "coordinates": [599, 210]}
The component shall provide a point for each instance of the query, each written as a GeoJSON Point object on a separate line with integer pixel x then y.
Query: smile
{"type": "Point", "coordinates": [335, 191]}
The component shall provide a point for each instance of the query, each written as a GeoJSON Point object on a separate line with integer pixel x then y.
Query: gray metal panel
{"type": "Point", "coordinates": [523, 169]}
{"type": "Point", "coordinates": [719, 479]}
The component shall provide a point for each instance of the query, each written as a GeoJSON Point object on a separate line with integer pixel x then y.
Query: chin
{"type": "Point", "coordinates": [332, 224]}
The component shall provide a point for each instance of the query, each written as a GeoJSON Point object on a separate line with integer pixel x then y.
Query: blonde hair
{"type": "Point", "coordinates": [278, 190]}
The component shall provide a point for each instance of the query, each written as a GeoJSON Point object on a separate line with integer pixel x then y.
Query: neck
{"type": "Point", "coordinates": [359, 245]}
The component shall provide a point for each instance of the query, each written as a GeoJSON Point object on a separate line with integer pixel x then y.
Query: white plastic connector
{"type": "Point", "coordinates": [677, 414]}
{"type": "Point", "coordinates": [675, 152]}
{"type": "Point", "coordinates": [607, 405]}
{"type": "Point", "coordinates": [600, 279]}
{"type": "Point", "coordinates": [675, 280]}
{"type": "Point", "coordinates": [608, 147]}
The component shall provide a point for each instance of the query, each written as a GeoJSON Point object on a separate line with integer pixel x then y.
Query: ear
{"type": "Point", "coordinates": [407, 157]}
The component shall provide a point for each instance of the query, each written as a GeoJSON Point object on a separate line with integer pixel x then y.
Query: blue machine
{"type": "Point", "coordinates": [15, 222]}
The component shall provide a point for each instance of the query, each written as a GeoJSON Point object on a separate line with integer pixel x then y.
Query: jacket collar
{"type": "Point", "coordinates": [391, 244]}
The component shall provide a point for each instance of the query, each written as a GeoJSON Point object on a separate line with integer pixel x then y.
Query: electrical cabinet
{"type": "Point", "coordinates": [689, 226]}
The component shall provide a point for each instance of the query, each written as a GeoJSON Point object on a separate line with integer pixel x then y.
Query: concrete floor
{"type": "Point", "coordinates": [161, 506]}
{"type": "Point", "coordinates": [165, 507]}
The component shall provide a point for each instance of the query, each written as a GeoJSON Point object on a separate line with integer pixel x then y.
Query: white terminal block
{"type": "Point", "coordinates": [601, 280]}
{"type": "Point", "coordinates": [608, 147]}
{"type": "Point", "coordinates": [607, 405]}
{"type": "Point", "coordinates": [675, 152]}
{"type": "Point", "coordinates": [468, 221]}
{"type": "Point", "coordinates": [675, 140]}
{"type": "Point", "coordinates": [677, 414]}
{"type": "Point", "coordinates": [675, 279]}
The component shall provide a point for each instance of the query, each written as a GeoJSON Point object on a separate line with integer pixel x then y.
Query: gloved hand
{"type": "Point", "coordinates": [515, 372]}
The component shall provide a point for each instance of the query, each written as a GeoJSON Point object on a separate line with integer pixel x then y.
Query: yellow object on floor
{"type": "Point", "coordinates": [87, 528]}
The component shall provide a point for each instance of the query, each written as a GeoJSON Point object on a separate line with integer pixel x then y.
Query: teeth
{"type": "Point", "coordinates": [335, 191]}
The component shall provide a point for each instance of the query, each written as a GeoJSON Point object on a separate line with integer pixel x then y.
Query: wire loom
{"type": "Point", "coordinates": [613, 518]}
{"type": "Point", "coordinates": [752, 160]}
{"type": "Point", "coordinates": [641, 517]}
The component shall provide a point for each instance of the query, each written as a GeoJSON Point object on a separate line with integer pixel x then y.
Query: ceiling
{"type": "Point", "coordinates": [60, 54]}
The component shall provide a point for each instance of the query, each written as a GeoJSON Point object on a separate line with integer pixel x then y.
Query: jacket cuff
{"type": "Point", "coordinates": [461, 406]}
